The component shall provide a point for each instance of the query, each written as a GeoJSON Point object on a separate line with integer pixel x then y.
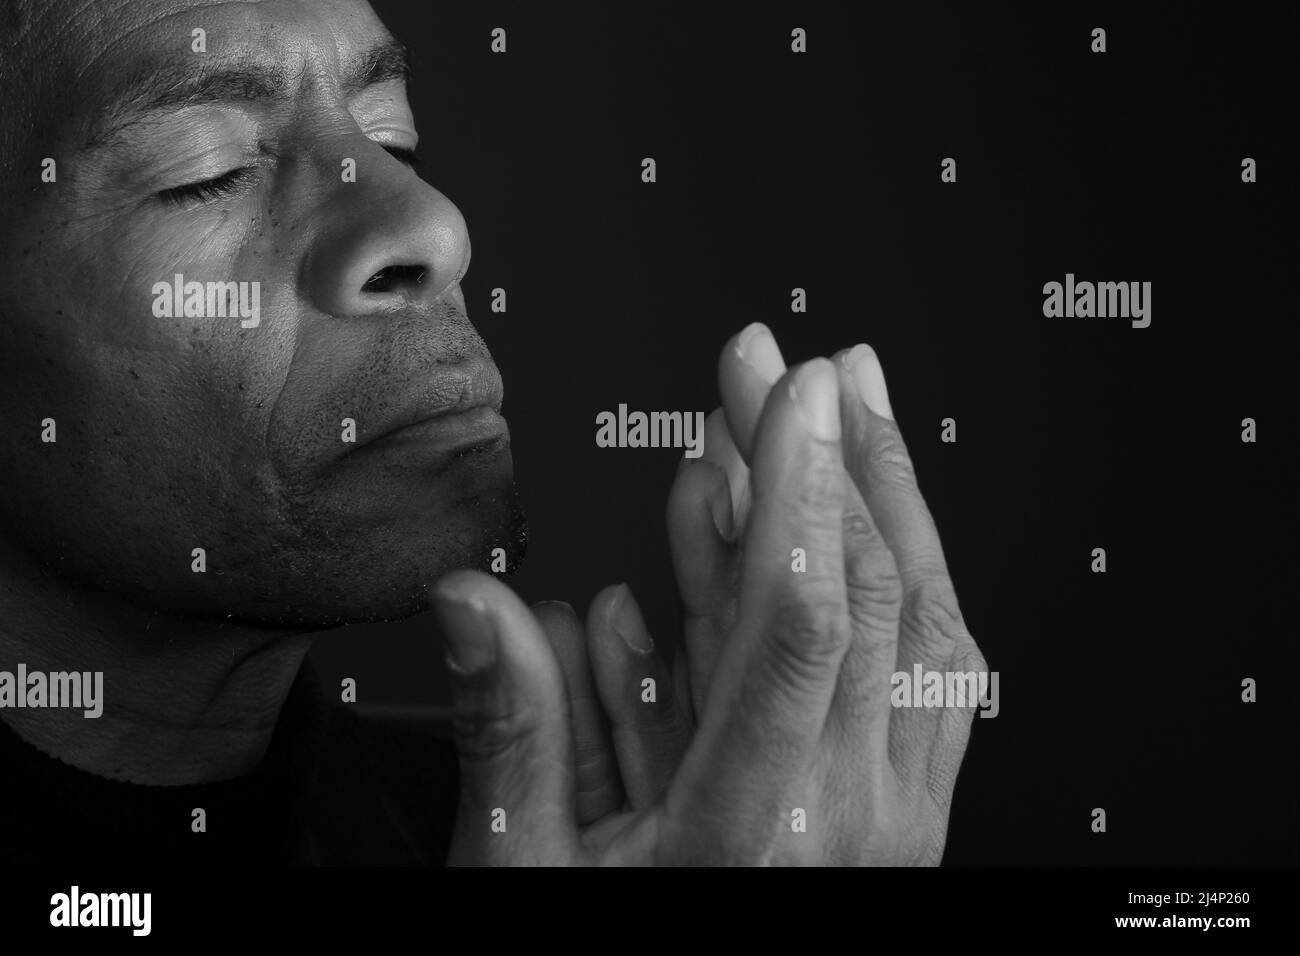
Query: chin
{"type": "Point", "coordinates": [389, 575]}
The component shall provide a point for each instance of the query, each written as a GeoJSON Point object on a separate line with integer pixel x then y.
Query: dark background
{"type": "Point", "coordinates": [821, 170]}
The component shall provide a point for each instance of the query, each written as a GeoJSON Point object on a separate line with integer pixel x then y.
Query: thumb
{"type": "Point", "coordinates": [511, 727]}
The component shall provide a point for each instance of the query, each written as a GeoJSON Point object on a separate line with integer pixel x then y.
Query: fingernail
{"type": "Point", "coordinates": [470, 639]}
{"type": "Point", "coordinates": [633, 632]}
{"type": "Point", "coordinates": [562, 605]}
{"type": "Point", "coordinates": [757, 348]}
{"type": "Point", "coordinates": [815, 391]}
{"type": "Point", "coordinates": [864, 365]}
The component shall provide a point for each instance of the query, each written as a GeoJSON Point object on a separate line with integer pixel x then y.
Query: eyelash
{"type": "Point", "coordinates": [209, 189]}
{"type": "Point", "coordinates": [404, 155]}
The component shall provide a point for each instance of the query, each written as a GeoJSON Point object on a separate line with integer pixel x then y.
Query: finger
{"type": "Point", "coordinates": [699, 529]}
{"type": "Point", "coordinates": [686, 695]}
{"type": "Point", "coordinates": [749, 365]}
{"type": "Point", "coordinates": [720, 450]}
{"type": "Point", "coordinates": [511, 725]}
{"type": "Point", "coordinates": [599, 789]}
{"type": "Point", "coordinates": [879, 463]}
{"type": "Point", "coordinates": [650, 730]}
{"type": "Point", "coordinates": [704, 560]}
{"type": "Point", "coordinates": [955, 727]}
{"type": "Point", "coordinates": [860, 713]}
{"type": "Point", "coordinates": [930, 627]}
{"type": "Point", "coordinates": [777, 675]}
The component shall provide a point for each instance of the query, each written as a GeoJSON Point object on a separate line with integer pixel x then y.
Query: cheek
{"type": "Point", "coordinates": [159, 424]}
{"type": "Point", "coordinates": [45, 348]}
{"type": "Point", "coordinates": [170, 408]}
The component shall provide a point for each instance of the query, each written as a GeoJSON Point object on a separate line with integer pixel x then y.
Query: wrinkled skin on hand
{"type": "Point", "coordinates": [781, 702]}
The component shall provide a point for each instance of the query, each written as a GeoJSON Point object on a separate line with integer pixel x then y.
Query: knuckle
{"type": "Point", "coordinates": [858, 530]}
{"type": "Point", "coordinates": [875, 587]}
{"type": "Point", "coordinates": [888, 459]}
{"type": "Point", "coordinates": [875, 612]}
{"type": "Point", "coordinates": [808, 635]}
{"type": "Point", "coordinates": [486, 734]}
{"type": "Point", "coordinates": [969, 657]}
{"type": "Point", "coordinates": [931, 614]}
{"type": "Point", "coordinates": [819, 491]}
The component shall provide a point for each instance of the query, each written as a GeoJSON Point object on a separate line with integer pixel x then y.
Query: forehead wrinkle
{"type": "Point", "coordinates": [93, 22]}
{"type": "Point", "coordinates": [246, 76]}
{"type": "Point", "coordinates": [176, 83]}
{"type": "Point", "coordinates": [121, 31]}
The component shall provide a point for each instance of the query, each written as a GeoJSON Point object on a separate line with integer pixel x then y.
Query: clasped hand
{"type": "Point", "coordinates": [811, 571]}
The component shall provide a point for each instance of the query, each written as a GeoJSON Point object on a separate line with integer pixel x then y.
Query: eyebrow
{"type": "Point", "coordinates": [171, 85]}
{"type": "Point", "coordinates": [388, 61]}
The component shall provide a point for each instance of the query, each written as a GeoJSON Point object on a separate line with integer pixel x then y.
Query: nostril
{"type": "Point", "coordinates": [394, 276]}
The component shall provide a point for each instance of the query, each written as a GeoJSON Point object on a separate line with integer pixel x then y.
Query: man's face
{"type": "Point", "coordinates": [184, 432]}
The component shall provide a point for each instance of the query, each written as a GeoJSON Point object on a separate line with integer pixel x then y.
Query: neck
{"type": "Point", "coordinates": [184, 700]}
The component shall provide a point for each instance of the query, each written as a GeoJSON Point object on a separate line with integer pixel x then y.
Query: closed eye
{"type": "Point", "coordinates": [207, 190]}
{"type": "Point", "coordinates": [405, 155]}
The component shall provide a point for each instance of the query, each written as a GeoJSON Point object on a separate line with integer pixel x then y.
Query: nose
{"type": "Point", "coordinates": [392, 242]}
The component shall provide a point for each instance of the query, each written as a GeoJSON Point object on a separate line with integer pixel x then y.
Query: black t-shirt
{"type": "Point", "coordinates": [333, 789]}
